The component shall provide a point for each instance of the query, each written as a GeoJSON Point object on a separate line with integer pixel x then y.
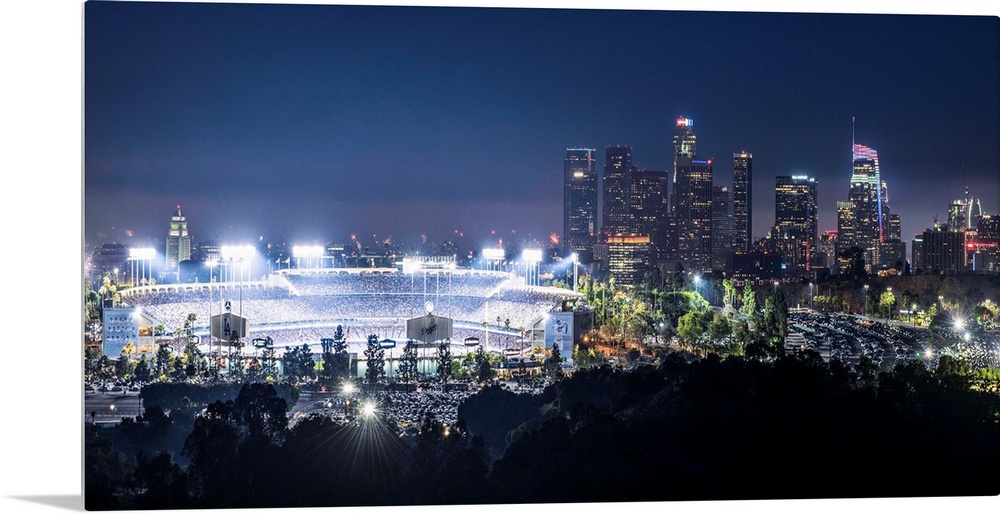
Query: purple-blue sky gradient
{"type": "Point", "coordinates": [310, 122]}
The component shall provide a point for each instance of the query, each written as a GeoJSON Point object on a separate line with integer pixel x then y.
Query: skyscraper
{"type": "Point", "coordinates": [987, 243]}
{"type": "Point", "coordinates": [648, 207]}
{"type": "Point", "coordinates": [628, 259]}
{"type": "Point", "coordinates": [692, 214]}
{"type": "Point", "coordinates": [579, 202]}
{"type": "Point", "coordinates": [962, 213]}
{"type": "Point", "coordinates": [869, 198]}
{"type": "Point", "coordinates": [795, 216]}
{"type": "Point", "coordinates": [826, 249]}
{"type": "Point", "coordinates": [178, 241]}
{"type": "Point", "coordinates": [685, 146]}
{"type": "Point", "coordinates": [944, 251]}
{"type": "Point", "coordinates": [723, 241]}
{"type": "Point", "coordinates": [618, 170]}
{"type": "Point", "coordinates": [743, 200]}
{"type": "Point", "coordinates": [846, 235]}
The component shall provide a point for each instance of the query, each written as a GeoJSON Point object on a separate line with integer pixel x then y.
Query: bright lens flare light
{"type": "Point", "coordinates": [368, 409]}
{"type": "Point", "coordinates": [348, 388]}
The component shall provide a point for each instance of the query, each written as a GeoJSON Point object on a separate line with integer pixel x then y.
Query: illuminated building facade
{"type": "Point", "coordinates": [846, 230]}
{"type": "Point", "coordinates": [178, 241]}
{"type": "Point", "coordinates": [962, 214]}
{"type": "Point", "coordinates": [723, 240]}
{"type": "Point", "coordinates": [917, 253]}
{"type": "Point", "coordinates": [985, 251]}
{"type": "Point", "coordinates": [579, 203]}
{"type": "Point", "coordinates": [826, 249]}
{"type": "Point", "coordinates": [743, 200]}
{"type": "Point", "coordinates": [944, 251]}
{"type": "Point", "coordinates": [648, 207]}
{"type": "Point", "coordinates": [795, 215]}
{"type": "Point", "coordinates": [618, 170]}
{"type": "Point", "coordinates": [869, 199]}
{"type": "Point", "coordinates": [629, 258]}
{"type": "Point", "coordinates": [685, 146]}
{"type": "Point", "coordinates": [692, 213]}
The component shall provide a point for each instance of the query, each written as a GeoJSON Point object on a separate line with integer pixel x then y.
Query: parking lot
{"type": "Point", "coordinates": [847, 337]}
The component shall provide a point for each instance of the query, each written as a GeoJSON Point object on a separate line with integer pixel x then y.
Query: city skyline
{"type": "Point", "coordinates": [293, 121]}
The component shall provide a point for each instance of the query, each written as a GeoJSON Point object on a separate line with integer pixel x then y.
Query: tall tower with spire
{"type": "Point", "coordinates": [178, 241]}
{"type": "Point", "coordinates": [874, 229]}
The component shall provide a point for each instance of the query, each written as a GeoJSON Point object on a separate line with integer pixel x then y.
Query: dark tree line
{"type": "Point", "coordinates": [690, 429]}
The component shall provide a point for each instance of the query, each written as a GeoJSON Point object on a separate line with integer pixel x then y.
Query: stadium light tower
{"type": "Point", "coordinates": [140, 259]}
{"type": "Point", "coordinates": [410, 265]}
{"type": "Point", "coordinates": [238, 254]}
{"type": "Point", "coordinates": [309, 252]}
{"type": "Point", "coordinates": [212, 264]}
{"type": "Point", "coordinates": [576, 260]}
{"type": "Point", "coordinates": [492, 256]}
{"type": "Point", "coordinates": [531, 257]}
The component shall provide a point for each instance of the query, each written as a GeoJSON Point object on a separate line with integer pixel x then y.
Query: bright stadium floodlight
{"type": "Point", "coordinates": [532, 256]}
{"type": "Point", "coordinates": [237, 251]}
{"type": "Point", "coordinates": [493, 253]}
{"type": "Point", "coordinates": [410, 265]}
{"type": "Point", "coordinates": [307, 251]}
{"type": "Point", "coordinates": [238, 254]}
{"type": "Point", "coordinates": [142, 254]}
{"type": "Point", "coordinates": [141, 259]}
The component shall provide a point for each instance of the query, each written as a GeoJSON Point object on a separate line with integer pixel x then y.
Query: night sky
{"type": "Point", "coordinates": [313, 122]}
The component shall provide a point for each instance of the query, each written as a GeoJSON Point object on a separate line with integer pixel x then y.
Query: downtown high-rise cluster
{"type": "Point", "coordinates": [667, 218]}
{"type": "Point", "coordinates": [968, 242]}
{"type": "Point", "coordinates": [685, 217]}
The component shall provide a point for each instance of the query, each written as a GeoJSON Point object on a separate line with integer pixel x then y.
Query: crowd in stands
{"type": "Point", "coordinates": [459, 284]}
